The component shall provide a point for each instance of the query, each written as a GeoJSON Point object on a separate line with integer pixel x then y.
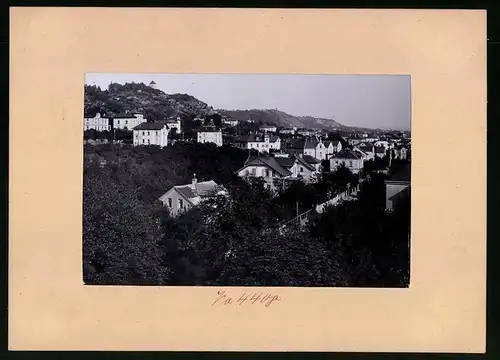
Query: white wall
{"type": "Point", "coordinates": [210, 137]}
{"type": "Point", "coordinates": [151, 137]}
{"type": "Point", "coordinates": [355, 165]}
{"type": "Point", "coordinates": [97, 123]}
{"type": "Point", "coordinates": [128, 123]}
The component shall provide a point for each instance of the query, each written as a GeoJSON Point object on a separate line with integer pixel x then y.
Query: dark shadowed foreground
{"type": "Point", "coordinates": [129, 239]}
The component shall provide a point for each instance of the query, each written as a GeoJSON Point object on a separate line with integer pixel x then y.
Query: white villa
{"type": "Point", "coordinates": [183, 197]}
{"type": "Point", "coordinates": [319, 149]}
{"type": "Point", "coordinates": [297, 165]}
{"type": "Point", "coordinates": [268, 128]}
{"type": "Point", "coordinates": [128, 121]}
{"type": "Point", "coordinates": [401, 152]}
{"type": "Point", "coordinates": [267, 168]}
{"type": "Point", "coordinates": [151, 134]}
{"type": "Point", "coordinates": [263, 143]}
{"type": "Point", "coordinates": [97, 122]}
{"type": "Point", "coordinates": [230, 122]}
{"type": "Point", "coordinates": [367, 148]}
{"type": "Point", "coordinates": [353, 160]}
{"type": "Point", "coordinates": [174, 124]}
{"type": "Point", "coordinates": [210, 135]}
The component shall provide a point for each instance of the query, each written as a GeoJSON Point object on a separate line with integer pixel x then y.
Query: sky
{"type": "Point", "coordinates": [372, 101]}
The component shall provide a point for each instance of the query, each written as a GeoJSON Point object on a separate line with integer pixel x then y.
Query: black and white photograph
{"type": "Point", "coordinates": [292, 180]}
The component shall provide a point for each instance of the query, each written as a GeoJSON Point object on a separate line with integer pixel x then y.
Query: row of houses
{"type": "Point", "coordinates": [100, 122]}
{"type": "Point", "coordinates": [277, 171]}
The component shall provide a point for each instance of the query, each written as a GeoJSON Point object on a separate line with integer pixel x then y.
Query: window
{"type": "Point", "coordinates": [350, 163]}
{"type": "Point", "coordinates": [148, 133]}
{"type": "Point", "coordinates": [181, 203]}
{"type": "Point", "coordinates": [301, 169]}
{"type": "Point", "coordinates": [169, 202]}
{"type": "Point", "coordinates": [149, 142]}
{"type": "Point", "coordinates": [267, 172]}
{"type": "Point", "coordinates": [254, 171]}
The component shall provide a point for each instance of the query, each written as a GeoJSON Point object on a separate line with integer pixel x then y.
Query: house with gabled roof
{"type": "Point", "coordinates": [128, 121]}
{"type": "Point", "coordinates": [366, 150]}
{"type": "Point", "coordinates": [174, 123]}
{"type": "Point", "coordinates": [398, 187]}
{"type": "Point", "coordinates": [209, 135]}
{"type": "Point", "coordinates": [401, 152]}
{"type": "Point", "coordinates": [262, 143]}
{"type": "Point", "coordinates": [181, 198]}
{"type": "Point", "coordinates": [297, 165]}
{"type": "Point", "coordinates": [353, 160]}
{"type": "Point", "coordinates": [267, 168]}
{"type": "Point", "coordinates": [268, 128]}
{"type": "Point", "coordinates": [380, 151]}
{"type": "Point", "coordinates": [333, 146]}
{"type": "Point", "coordinates": [96, 122]}
{"type": "Point", "coordinates": [151, 133]}
{"type": "Point", "coordinates": [312, 161]}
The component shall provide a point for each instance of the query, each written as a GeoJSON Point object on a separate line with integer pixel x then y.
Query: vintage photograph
{"type": "Point", "coordinates": [247, 180]}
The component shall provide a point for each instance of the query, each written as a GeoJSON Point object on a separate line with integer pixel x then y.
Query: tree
{"type": "Point", "coordinates": [274, 259]}
{"type": "Point", "coordinates": [124, 135]}
{"type": "Point", "coordinates": [120, 235]}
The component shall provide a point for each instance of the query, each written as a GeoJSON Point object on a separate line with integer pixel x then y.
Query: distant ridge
{"type": "Point", "coordinates": [156, 105]}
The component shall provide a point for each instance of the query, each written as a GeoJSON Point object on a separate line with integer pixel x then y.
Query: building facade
{"type": "Point", "coordinates": [127, 121]}
{"type": "Point", "coordinates": [267, 168]}
{"type": "Point", "coordinates": [397, 188]}
{"type": "Point", "coordinates": [97, 122]}
{"type": "Point", "coordinates": [348, 158]}
{"type": "Point", "coordinates": [181, 198]}
{"type": "Point", "coordinates": [174, 124]}
{"type": "Point", "coordinates": [151, 134]}
{"type": "Point", "coordinates": [263, 143]}
{"type": "Point", "coordinates": [210, 136]}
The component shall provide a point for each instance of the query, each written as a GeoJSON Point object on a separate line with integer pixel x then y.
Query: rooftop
{"type": "Point", "coordinates": [267, 161]}
{"type": "Point", "coordinates": [310, 159]}
{"type": "Point", "coordinates": [126, 116]}
{"type": "Point", "coordinates": [150, 126]}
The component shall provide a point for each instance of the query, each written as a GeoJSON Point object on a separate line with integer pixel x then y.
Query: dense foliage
{"type": "Point", "coordinates": [236, 240]}
{"type": "Point", "coordinates": [138, 97]}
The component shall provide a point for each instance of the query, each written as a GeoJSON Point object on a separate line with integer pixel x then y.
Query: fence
{"type": "Point", "coordinates": [346, 195]}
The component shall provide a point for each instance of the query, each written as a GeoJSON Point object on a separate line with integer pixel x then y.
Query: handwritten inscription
{"type": "Point", "coordinates": [264, 299]}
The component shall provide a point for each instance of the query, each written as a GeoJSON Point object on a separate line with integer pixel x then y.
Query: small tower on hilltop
{"type": "Point", "coordinates": [152, 84]}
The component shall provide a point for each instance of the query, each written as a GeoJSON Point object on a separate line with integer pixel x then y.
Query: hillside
{"type": "Point", "coordinates": [157, 105]}
{"type": "Point", "coordinates": [133, 97]}
{"type": "Point", "coordinates": [280, 118]}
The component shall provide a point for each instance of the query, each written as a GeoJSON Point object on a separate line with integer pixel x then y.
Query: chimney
{"type": "Point", "coordinates": [194, 181]}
